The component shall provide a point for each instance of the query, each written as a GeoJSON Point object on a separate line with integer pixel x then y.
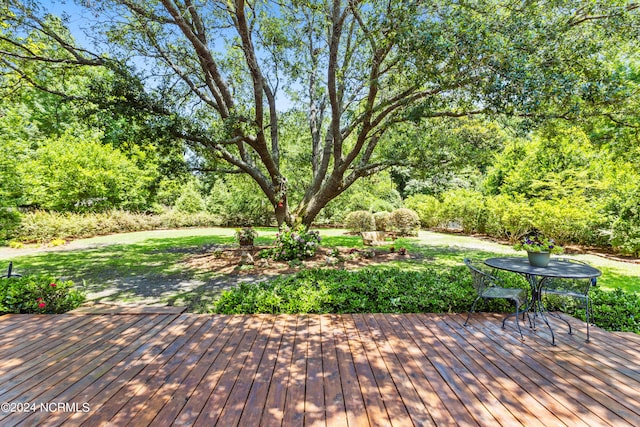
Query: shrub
{"type": "Point", "coordinates": [76, 172]}
{"type": "Point", "coordinates": [564, 220]}
{"type": "Point", "coordinates": [38, 294]}
{"type": "Point", "coordinates": [359, 221]}
{"type": "Point", "coordinates": [387, 290]}
{"type": "Point", "coordinates": [381, 220]}
{"type": "Point", "coordinates": [42, 226]}
{"type": "Point", "coordinates": [190, 201]}
{"type": "Point", "coordinates": [427, 208]}
{"type": "Point", "coordinates": [626, 228]}
{"type": "Point", "coordinates": [293, 244]}
{"type": "Point", "coordinates": [9, 221]}
{"type": "Point", "coordinates": [466, 208]}
{"type": "Point", "coordinates": [509, 217]}
{"type": "Point", "coordinates": [405, 222]}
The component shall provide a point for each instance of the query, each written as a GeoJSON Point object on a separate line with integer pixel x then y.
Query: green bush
{"type": "Point", "coordinates": [427, 207]}
{"type": "Point", "coordinates": [388, 290]}
{"type": "Point", "coordinates": [38, 294]}
{"type": "Point", "coordinates": [381, 220]}
{"type": "Point", "coordinates": [43, 226]}
{"type": "Point", "coordinates": [9, 222]}
{"type": "Point", "coordinates": [359, 221]}
{"type": "Point", "coordinates": [405, 222]}
{"type": "Point", "coordinates": [625, 233]}
{"type": "Point", "coordinates": [466, 208]}
{"type": "Point", "coordinates": [293, 244]}
{"type": "Point", "coordinates": [190, 200]}
{"type": "Point", "coordinates": [76, 172]}
{"type": "Point", "coordinates": [567, 220]}
{"type": "Point", "coordinates": [510, 217]}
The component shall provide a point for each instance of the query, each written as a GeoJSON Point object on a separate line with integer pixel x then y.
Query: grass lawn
{"type": "Point", "coordinates": [149, 267]}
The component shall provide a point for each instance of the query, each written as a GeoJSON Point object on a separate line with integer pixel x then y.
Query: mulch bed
{"type": "Point", "coordinates": [227, 260]}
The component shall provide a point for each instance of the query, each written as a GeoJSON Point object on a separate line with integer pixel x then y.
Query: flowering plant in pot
{"type": "Point", "coordinates": [246, 235]}
{"type": "Point", "coordinates": [539, 249]}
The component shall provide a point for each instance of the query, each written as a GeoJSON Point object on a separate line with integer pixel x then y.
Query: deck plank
{"type": "Point", "coordinates": [160, 368]}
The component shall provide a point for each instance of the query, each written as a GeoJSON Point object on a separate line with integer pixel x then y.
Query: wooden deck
{"type": "Point", "coordinates": [160, 367]}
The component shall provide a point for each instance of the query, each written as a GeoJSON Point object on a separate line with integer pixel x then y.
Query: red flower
{"type": "Point", "coordinates": [42, 305]}
{"type": "Point", "coordinates": [38, 299]}
{"type": "Point", "coordinates": [54, 285]}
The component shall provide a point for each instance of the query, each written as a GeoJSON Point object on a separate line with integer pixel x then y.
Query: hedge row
{"type": "Point", "coordinates": [392, 290]}
{"type": "Point", "coordinates": [43, 226]}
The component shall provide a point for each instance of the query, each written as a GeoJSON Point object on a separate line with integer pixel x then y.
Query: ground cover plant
{"type": "Point", "coordinates": [38, 294]}
{"type": "Point", "coordinates": [153, 267]}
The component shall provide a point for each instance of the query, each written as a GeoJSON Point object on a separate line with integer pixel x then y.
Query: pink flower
{"type": "Point", "coordinates": [53, 284]}
{"type": "Point", "coordinates": [42, 305]}
{"type": "Point", "coordinates": [38, 299]}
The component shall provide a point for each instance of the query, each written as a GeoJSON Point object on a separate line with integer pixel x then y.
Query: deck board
{"type": "Point", "coordinates": [162, 367]}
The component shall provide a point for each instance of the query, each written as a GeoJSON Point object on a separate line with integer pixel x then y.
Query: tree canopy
{"type": "Point", "coordinates": [217, 74]}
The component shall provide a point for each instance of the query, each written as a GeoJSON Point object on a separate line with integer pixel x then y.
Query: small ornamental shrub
{"type": "Point", "coordinates": [359, 221]}
{"type": "Point", "coordinates": [381, 220]}
{"type": "Point", "coordinates": [38, 294]}
{"type": "Point", "coordinates": [293, 244]}
{"type": "Point", "coordinates": [405, 222]}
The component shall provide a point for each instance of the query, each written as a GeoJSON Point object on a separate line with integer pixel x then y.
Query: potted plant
{"type": "Point", "coordinates": [246, 235]}
{"type": "Point", "coordinates": [539, 249]}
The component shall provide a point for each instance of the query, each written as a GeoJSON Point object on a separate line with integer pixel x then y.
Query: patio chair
{"type": "Point", "coordinates": [577, 289]}
{"type": "Point", "coordinates": [488, 286]}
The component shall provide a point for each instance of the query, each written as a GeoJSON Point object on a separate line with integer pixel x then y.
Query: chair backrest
{"type": "Point", "coordinates": [575, 287]}
{"type": "Point", "coordinates": [481, 279]}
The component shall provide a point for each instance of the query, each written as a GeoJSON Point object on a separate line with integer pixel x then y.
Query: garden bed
{"type": "Point", "coordinates": [227, 260]}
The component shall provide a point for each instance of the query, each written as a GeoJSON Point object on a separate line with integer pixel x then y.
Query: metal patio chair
{"type": "Point", "coordinates": [577, 289]}
{"type": "Point", "coordinates": [488, 286]}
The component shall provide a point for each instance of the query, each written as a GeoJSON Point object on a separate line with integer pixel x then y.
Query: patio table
{"type": "Point", "coordinates": [536, 277]}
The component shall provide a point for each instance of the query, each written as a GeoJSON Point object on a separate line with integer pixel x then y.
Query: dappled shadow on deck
{"type": "Point", "coordinates": [159, 366]}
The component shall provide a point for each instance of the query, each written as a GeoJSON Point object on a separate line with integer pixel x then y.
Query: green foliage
{"type": "Point", "coordinates": [510, 217]}
{"type": "Point", "coordinates": [359, 221]}
{"type": "Point", "coordinates": [427, 207]}
{"type": "Point", "coordinates": [374, 194]}
{"type": "Point", "coordinates": [294, 244]}
{"type": "Point", "coordinates": [381, 220]}
{"type": "Point", "coordinates": [75, 172]}
{"type": "Point", "coordinates": [626, 227]}
{"type": "Point", "coordinates": [466, 208]}
{"type": "Point", "coordinates": [238, 201]}
{"type": "Point", "coordinates": [538, 243]}
{"type": "Point", "coordinates": [43, 226]}
{"type": "Point", "coordinates": [388, 290]}
{"type": "Point", "coordinates": [9, 221]}
{"type": "Point", "coordinates": [190, 200]}
{"type": "Point", "coordinates": [405, 222]}
{"type": "Point", "coordinates": [38, 294]}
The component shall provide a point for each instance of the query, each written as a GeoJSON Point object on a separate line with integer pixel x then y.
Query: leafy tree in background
{"type": "Point", "coordinates": [358, 70]}
{"type": "Point", "coordinates": [78, 173]}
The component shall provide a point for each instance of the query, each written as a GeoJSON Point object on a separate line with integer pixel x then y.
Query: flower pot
{"type": "Point", "coordinates": [539, 259]}
{"type": "Point", "coordinates": [245, 241]}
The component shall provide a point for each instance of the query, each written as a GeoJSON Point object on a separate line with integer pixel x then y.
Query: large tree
{"type": "Point", "coordinates": [218, 74]}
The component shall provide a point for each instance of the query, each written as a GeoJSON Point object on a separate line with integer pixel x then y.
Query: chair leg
{"type": "Point", "coordinates": [586, 309]}
{"type": "Point", "coordinates": [471, 310]}
{"type": "Point", "coordinates": [517, 316]}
